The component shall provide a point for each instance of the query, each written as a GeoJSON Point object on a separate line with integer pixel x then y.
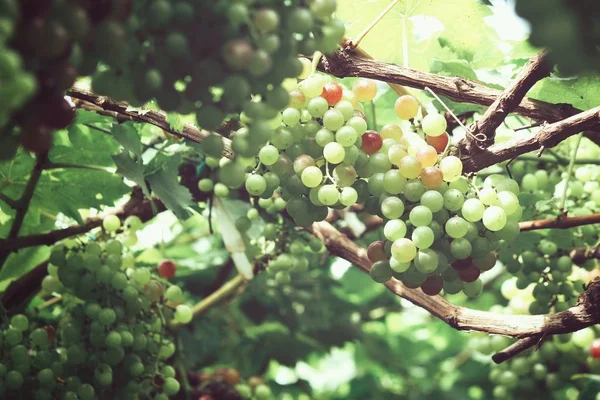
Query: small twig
{"type": "Point", "coordinates": [516, 348]}
{"type": "Point", "coordinates": [52, 165]}
{"type": "Point", "coordinates": [22, 205]}
{"type": "Point", "coordinates": [216, 297]}
{"type": "Point", "coordinates": [563, 199]}
{"type": "Point", "coordinates": [527, 127]}
{"type": "Point", "coordinates": [373, 113]}
{"type": "Point", "coordinates": [11, 203]}
{"type": "Point", "coordinates": [356, 41]}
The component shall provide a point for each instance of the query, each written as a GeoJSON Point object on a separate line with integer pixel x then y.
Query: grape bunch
{"type": "Point", "coordinates": [546, 373]}
{"type": "Point", "coordinates": [209, 58]}
{"type": "Point", "coordinates": [41, 56]}
{"type": "Point", "coordinates": [113, 331]}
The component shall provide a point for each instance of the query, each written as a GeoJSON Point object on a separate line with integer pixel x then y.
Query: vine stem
{"type": "Point", "coordinates": [214, 298]}
{"type": "Point", "coordinates": [23, 203]}
{"type": "Point", "coordinates": [563, 199]}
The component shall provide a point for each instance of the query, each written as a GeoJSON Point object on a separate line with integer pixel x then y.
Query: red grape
{"type": "Point", "coordinates": [371, 142]}
{"type": "Point", "coordinates": [439, 143]}
{"type": "Point", "coordinates": [432, 285]}
{"type": "Point", "coordinates": [376, 251]}
{"type": "Point", "coordinates": [462, 264]}
{"type": "Point", "coordinates": [595, 349]}
{"type": "Point", "coordinates": [432, 177]}
{"type": "Point", "coordinates": [332, 92]}
{"type": "Point", "coordinates": [469, 274]}
{"type": "Point", "coordinates": [166, 269]}
{"type": "Point", "coordinates": [36, 138]}
{"type": "Point", "coordinates": [57, 112]}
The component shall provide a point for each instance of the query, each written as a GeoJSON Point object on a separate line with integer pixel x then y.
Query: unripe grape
{"type": "Point", "coordinates": [111, 223]}
{"type": "Point", "coordinates": [434, 124]}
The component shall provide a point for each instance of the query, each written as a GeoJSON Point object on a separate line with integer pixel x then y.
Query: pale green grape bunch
{"type": "Point", "coordinates": [117, 328]}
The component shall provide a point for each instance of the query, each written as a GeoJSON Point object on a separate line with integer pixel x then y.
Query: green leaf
{"type": "Point", "coordinates": [132, 170]}
{"type": "Point", "coordinates": [85, 146]}
{"type": "Point", "coordinates": [22, 262]}
{"type": "Point", "coordinates": [164, 183]}
{"type": "Point", "coordinates": [176, 121]}
{"type": "Point", "coordinates": [127, 135]}
{"type": "Point", "coordinates": [89, 117]}
{"type": "Point", "coordinates": [582, 92]}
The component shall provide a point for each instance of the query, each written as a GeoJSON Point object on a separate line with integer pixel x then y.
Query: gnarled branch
{"type": "Point", "coordinates": [536, 69]}
{"type": "Point", "coordinates": [560, 222]}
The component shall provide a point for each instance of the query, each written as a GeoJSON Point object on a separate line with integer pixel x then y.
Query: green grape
{"type": "Point", "coordinates": [472, 210]}
{"type": "Point", "coordinates": [348, 196]}
{"type": "Point", "coordinates": [324, 136]}
{"type": "Point", "coordinates": [453, 200]}
{"type": "Point", "coordinates": [107, 316]}
{"type": "Point", "coordinates": [12, 336]}
{"type": "Point", "coordinates": [433, 200]}
{"type": "Point", "coordinates": [508, 201]}
{"type": "Point", "coordinates": [413, 190]}
{"type": "Point", "coordinates": [174, 294]}
{"type": "Point", "coordinates": [379, 163]}
{"type": "Point", "coordinates": [434, 124]}
{"type": "Point", "coordinates": [394, 229]}
{"type": "Point", "coordinates": [420, 216]}
{"type": "Point", "coordinates": [397, 266]}
{"type": "Point", "coordinates": [111, 223]}
{"type": "Point", "coordinates": [113, 339]}
{"type": "Point", "coordinates": [268, 155]}
{"type": "Point", "coordinates": [13, 380]}
{"type": "Point", "coordinates": [473, 289]}
{"type": "Point", "coordinates": [19, 322]}
{"type": "Point", "coordinates": [333, 120]}
{"type": "Point", "coordinates": [359, 124]}
{"type": "Point", "coordinates": [451, 168]}
{"type": "Point", "coordinates": [183, 314]}
{"type": "Point", "coordinates": [404, 250]}
{"type": "Point", "coordinates": [494, 218]}
{"type": "Point", "coordinates": [460, 248]}
{"type": "Point", "coordinates": [488, 196]}
{"type": "Point", "coordinates": [456, 227]}
{"type": "Point", "coordinates": [394, 182]}
{"type": "Point", "coordinates": [381, 272]}
{"type": "Point", "coordinates": [392, 208]}
{"type": "Point", "coordinates": [317, 107]}
{"type": "Point", "coordinates": [346, 136]}
{"type": "Point", "coordinates": [423, 237]}
{"type": "Point", "coordinates": [312, 176]}
{"type": "Point", "coordinates": [328, 195]}
{"type": "Point", "coordinates": [426, 261]}
{"type": "Point", "coordinates": [334, 152]}
{"type": "Point", "coordinates": [256, 185]}
{"type": "Point", "coordinates": [291, 117]}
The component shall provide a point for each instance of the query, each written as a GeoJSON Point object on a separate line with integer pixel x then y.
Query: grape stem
{"type": "Point", "coordinates": [215, 298]}
{"type": "Point", "coordinates": [22, 205]}
{"type": "Point", "coordinates": [356, 41]}
{"type": "Point", "coordinates": [316, 59]}
{"type": "Point", "coordinates": [563, 199]}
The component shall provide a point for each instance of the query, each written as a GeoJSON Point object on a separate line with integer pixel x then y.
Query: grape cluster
{"type": "Point", "coordinates": [208, 58]}
{"type": "Point", "coordinates": [545, 373]}
{"type": "Point", "coordinates": [41, 56]}
{"type": "Point", "coordinates": [549, 270]}
{"type": "Point", "coordinates": [322, 155]}
{"type": "Point", "coordinates": [112, 335]}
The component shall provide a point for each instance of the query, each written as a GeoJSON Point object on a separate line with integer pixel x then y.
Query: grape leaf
{"type": "Point", "coordinates": [582, 92]}
{"type": "Point", "coordinates": [132, 170]}
{"type": "Point", "coordinates": [127, 135]}
{"type": "Point", "coordinates": [164, 183]}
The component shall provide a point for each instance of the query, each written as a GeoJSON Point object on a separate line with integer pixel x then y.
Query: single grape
{"type": "Point", "coordinates": [371, 142]}
{"type": "Point", "coordinates": [183, 314]}
{"type": "Point", "coordinates": [111, 223]}
{"type": "Point", "coordinates": [406, 107]}
{"type": "Point", "coordinates": [434, 124]}
{"type": "Point", "coordinates": [404, 250]}
{"type": "Point", "coordinates": [364, 90]}
{"type": "Point", "coordinates": [494, 218]}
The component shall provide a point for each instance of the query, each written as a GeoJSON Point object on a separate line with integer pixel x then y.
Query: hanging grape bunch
{"type": "Point", "coordinates": [41, 54]}
{"type": "Point", "coordinates": [111, 340]}
{"type": "Point", "coordinates": [209, 58]}
{"type": "Point", "coordinates": [440, 229]}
